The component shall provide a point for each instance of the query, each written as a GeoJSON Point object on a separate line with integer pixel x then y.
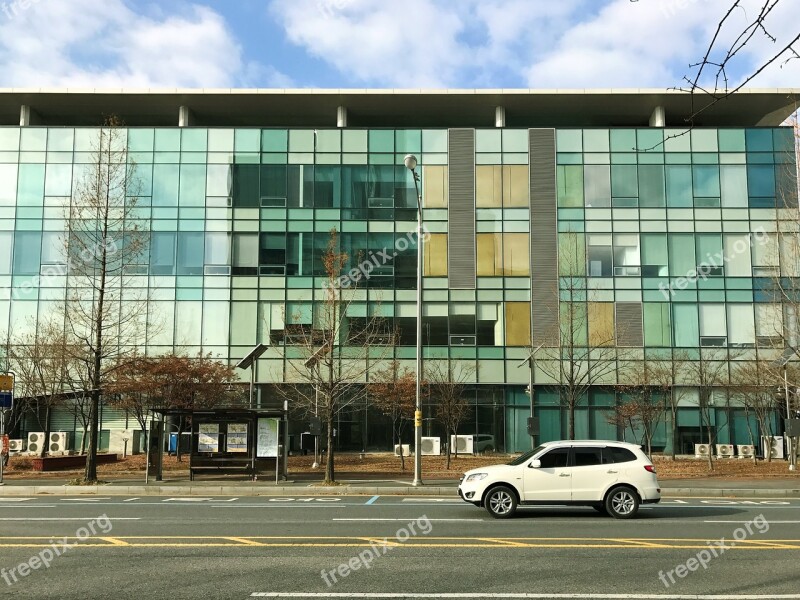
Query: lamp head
{"type": "Point", "coordinates": [410, 162]}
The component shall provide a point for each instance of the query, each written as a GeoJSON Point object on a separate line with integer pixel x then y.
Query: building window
{"type": "Point", "coordinates": [570, 186]}
{"type": "Point", "coordinates": [434, 255]}
{"type": "Point", "coordinates": [601, 323]}
{"type": "Point", "coordinates": [657, 327]}
{"type": "Point", "coordinates": [245, 254]}
{"type": "Point", "coordinates": [503, 254]}
{"type": "Point", "coordinates": [600, 256]}
{"type": "Point", "coordinates": [597, 186]}
{"type": "Point", "coordinates": [518, 323]}
{"type": "Point", "coordinates": [435, 187]}
{"type": "Point", "coordinates": [501, 186]}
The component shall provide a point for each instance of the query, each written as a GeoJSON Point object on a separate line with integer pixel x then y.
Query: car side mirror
{"type": "Point", "coordinates": [535, 464]}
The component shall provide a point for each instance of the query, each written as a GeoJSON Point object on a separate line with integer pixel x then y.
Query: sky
{"type": "Point", "coordinates": [541, 44]}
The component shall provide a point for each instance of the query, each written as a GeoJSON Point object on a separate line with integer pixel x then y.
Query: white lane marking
{"type": "Point", "coordinates": [474, 595]}
{"type": "Point", "coordinates": [188, 500]}
{"type": "Point", "coordinates": [771, 522]}
{"type": "Point", "coordinates": [130, 499]}
{"type": "Point", "coordinates": [275, 505]}
{"type": "Point", "coordinates": [453, 500]}
{"type": "Point", "coordinates": [67, 518]}
{"type": "Point", "coordinates": [378, 519]}
{"type": "Point", "coordinates": [15, 499]}
{"type": "Point", "coordinates": [83, 499]}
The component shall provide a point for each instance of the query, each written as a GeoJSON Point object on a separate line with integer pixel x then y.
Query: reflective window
{"type": "Point", "coordinates": [597, 184]}
{"type": "Point", "coordinates": [27, 252]}
{"type": "Point", "coordinates": [518, 323]}
{"type": "Point", "coordinates": [572, 254]}
{"type": "Point", "coordinates": [31, 185]}
{"type": "Point", "coordinates": [679, 186]}
{"type": "Point", "coordinates": [587, 457]}
{"type": "Point", "coordinates": [554, 459]}
{"type": "Point", "coordinates": [654, 255]}
{"type": "Point", "coordinates": [686, 329]}
{"type": "Point", "coordinates": [435, 187]}
{"type": "Point", "coordinates": [489, 186]}
{"type": "Point", "coordinates": [192, 190]}
{"type": "Point", "coordinates": [761, 181]}
{"type": "Point", "coordinates": [8, 184]}
{"type": "Point", "coordinates": [681, 254]}
{"type": "Point", "coordinates": [516, 253]}
{"type": "Point", "coordinates": [705, 179]}
{"type": "Point", "coordinates": [652, 190]}
{"type": "Point", "coordinates": [162, 253]}
{"type": "Point", "coordinates": [601, 323]}
{"type": "Point", "coordinates": [741, 325]}
{"type": "Point", "coordinates": [600, 256]}
{"type": "Point", "coordinates": [657, 327]}
{"type": "Point", "coordinates": [165, 185]}
{"type": "Point", "coordinates": [245, 254]}
{"type": "Point", "coordinates": [218, 248]}
{"type": "Point", "coordinates": [6, 245]}
{"type": "Point", "coordinates": [570, 186]}
{"type": "Point", "coordinates": [624, 185]}
{"type": "Point", "coordinates": [246, 186]}
{"type": "Point", "coordinates": [734, 186]}
{"type": "Point", "coordinates": [190, 253]}
{"type": "Point", "coordinates": [434, 254]}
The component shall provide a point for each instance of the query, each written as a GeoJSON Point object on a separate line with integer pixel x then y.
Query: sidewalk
{"type": "Point", "coordinates": [706, 487]}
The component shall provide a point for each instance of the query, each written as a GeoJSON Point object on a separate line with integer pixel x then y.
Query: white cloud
{"type": "Point", "coordinates": [103, 43]}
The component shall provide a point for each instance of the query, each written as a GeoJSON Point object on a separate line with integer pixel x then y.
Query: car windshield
{"type": "Point", "coordinates": [521, 459]}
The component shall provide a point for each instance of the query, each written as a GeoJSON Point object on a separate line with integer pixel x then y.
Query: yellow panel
{"type": "Point", "coordinates": [515, 186]}
{"type": "Point", "coordinates": [601, 323]}
{"type": "Point", "coordinates": [518, 323]}
{"type": "Point", "coordinates": [516, 251]}
{"type": "Point", "coordinates": [490, 255]}
{"type": "Point", "coordinates": [488, 186]}
{"type": "Point", "coordinates": [434, 182]}
{"type": "Point", "coordinates": [434, 255]}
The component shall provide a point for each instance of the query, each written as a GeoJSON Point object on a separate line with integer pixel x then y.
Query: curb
{"type": "Point", "coordinates": [343, 490]}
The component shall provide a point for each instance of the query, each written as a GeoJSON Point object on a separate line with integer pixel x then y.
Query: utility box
{"type": "Point", "coordinates": [793, 427]}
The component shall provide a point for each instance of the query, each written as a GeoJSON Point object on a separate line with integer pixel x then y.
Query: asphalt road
{"type": "Point", "coordinates": [152, 548]}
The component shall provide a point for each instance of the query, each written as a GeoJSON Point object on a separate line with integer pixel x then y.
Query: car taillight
{"type": "Point", "coordinates": [650, 468]}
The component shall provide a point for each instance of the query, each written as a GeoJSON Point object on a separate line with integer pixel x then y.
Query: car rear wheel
{"type": "Point", "coordinates": [501, 502]}
{"type": "Point", "coordinates": [622, 503]}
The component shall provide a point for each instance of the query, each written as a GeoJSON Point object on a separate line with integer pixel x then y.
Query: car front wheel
{"type": "Point", "coordinates": [622, 503]}
{"type": "Point", "coordinates": [501, 502]}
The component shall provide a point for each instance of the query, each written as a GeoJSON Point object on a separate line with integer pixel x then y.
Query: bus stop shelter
{"type": "Point", "coordinates": [224, 440]}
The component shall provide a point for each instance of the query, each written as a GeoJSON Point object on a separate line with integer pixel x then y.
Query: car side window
{"type": "Point", "coordinates": [555, 458]}
{"type": "Point", "coordinates": [617, 455]}
{"type": "Point", "coordinates": [587, 457]}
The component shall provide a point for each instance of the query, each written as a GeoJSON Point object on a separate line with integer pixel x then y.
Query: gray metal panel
{"type": "Point", "coordinates": [461, 268]}
{"type": "Point", "coordinates": [629, 324]}
{"type": "Point", "coordinates": [544, 237]}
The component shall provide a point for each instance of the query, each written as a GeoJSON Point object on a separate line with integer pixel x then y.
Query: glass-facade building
{"type": "Point", "coordinates": [239, 208]}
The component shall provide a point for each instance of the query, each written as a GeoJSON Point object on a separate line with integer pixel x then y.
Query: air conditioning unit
{"type": "Point", "coordinates": [16, 446]}
{"type": "Point", "coordinates": [406, 449]}
{"type": "Point", "coordinates": [773, 446]}
{"type": "Point", "coordinates": [461, 444]}
{"type": "Point", "coordinates": [746, 451]}
{"type": "Point", "coordinates": [702, 450]}
{"type": "Point", "coordinates": [431, 446]}
{"type": "Point", "coordinates": [59, 442]}
{"type": "Point", "coordinates": [35, 442]}
{"type": "Point", "coordinates": [724, 450]}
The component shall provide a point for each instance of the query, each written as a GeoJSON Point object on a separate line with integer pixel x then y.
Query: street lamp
{"type": "Point", "coordinates": [249, 362]}
{"type": "Point", "coordinates": [787, 355]}
{"type": "Point", "coordinates": [529, 361]}
{"type": "Point", "coordinates": [410, 161]}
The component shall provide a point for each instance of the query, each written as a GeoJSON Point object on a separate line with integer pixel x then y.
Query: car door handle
{"type": "Point", "coordinates": [612, 471]}
{"type": "Point", "coordinates": [563, 474]}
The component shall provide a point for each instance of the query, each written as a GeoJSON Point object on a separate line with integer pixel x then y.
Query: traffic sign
{"type": "Point", "coordinates": [6, 383]}
{"type": "Point", "coordinates": [6, 400]}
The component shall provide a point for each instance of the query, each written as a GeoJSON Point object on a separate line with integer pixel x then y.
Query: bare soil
{"type": "Point", "coordinates": [382, 465]}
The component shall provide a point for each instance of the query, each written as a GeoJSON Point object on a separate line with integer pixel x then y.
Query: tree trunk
{"type": "Point", "coordinates": [449, 437]}
{"type": "Point", "coordinates": [178, 445]}
{"type": "Point", "coordinates": [674, 430]}
{"type": "Point", "coordinates": [402, 454]}
{"type": "Point", "coordinates": [91, 457]}
{"type": "Point", "coordinates": [329, 472]}
{"type": "Point", "coordinates": [46, 445]}
{"type": "Point", "coordinates": [571, 434]}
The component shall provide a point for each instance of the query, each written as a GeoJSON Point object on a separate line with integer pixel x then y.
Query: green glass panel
{"type": "Point", "coordinates": [704, 140]}
{"type": "Point", "coordinates": [652, 191]}
{"type": "Point", "coordinates": [354, 140]}
{"type": "Point", "coordinates": [731, 140]}
{"type": "Point", "coordinates": [705, 179]}
{"type": "Point", "coordinates": [597, 185]}
{"type": "Point", "coordinates": [686, 325]}
{"type": "Point", "coordinates": [9, 138]}
{"type": "Point", "coordinates": [759, 140]}
{"type": "Point", "coordinates": [434, 140]}
{"type": "Point", "coordinates": [623, 140]}
{"type": "Point", "coordinates": [655, 258]}
{"type": "Point", "coordinates": [381, 140]}
{"type": "Point", "coordinates": [139, 140]}
{"type": "Point", "coordinates": [709, 249]}
{"type": "Point", "coordinates": [569, 140]}
{"type": "Point", "coordinates": [595, 140]}
{"type": "Point", "coordinates": [651, 140]}
{"type": "Point", "coordinates": [167, 140]}
{"type": "Point", "coordinates": [570, 186]}
{"type": "Point", "coordinates": [657, 326]}
{"type": "Point", "coordinates": [563, 158]}
{"type": "Point", "coordinates": [60, 140]}
{"type": "Point", "coordinates": [194, 140]}
{"type": "Point", "coordinates": [30, 184]}
{"type": "Point", "coordinates": [761, 181]}
{"type": "Point", "coordinates": [488, 140]}
{"type": "Point", "coordinates": [624, 183]}
{"type": "Point", "coordinates": [274, 140]}
{"type": "Point", "coordinates": [192, 190]}
{"type": "Point", "coordinates": [784, 140]}
{"type": "Point", "coordinates": [679, 186]}
{"type": "Point", "coordinates": [165, 185]}
{"type": "Point", "coordinates": [733, 186]}
{"type": "Point", "coordinates": [329, 140]}
{"type": "Point", "coordinates": [681, 254]}
{"type": "Point", "coordinates": [247, 140]}
{"type": "Point", "coordinates": [408, 141]}
{"type": "Point", "coordinates": [58, 180]}
{"type": "Point", "coordinates": [515, 140]}
{"type": "Point", "coordinates": [33, 139]}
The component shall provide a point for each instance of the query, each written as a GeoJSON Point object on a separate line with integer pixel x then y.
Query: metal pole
{"type": "Point", "coordinates": [2, 433]}
{"type": "Point", "coordinates": [530, 389]}
{"type": "Point", "coordinates": [316, 437]}
{"type": "Point", "coordinates": [252, 382]}
{"type": "Point", "coordinates": [788, 415]}
{"type": "Point", "coordinates": [418, 405]}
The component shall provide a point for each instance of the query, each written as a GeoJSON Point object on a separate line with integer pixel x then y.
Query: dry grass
{"type": "Point", "coordinates": [388, 465]}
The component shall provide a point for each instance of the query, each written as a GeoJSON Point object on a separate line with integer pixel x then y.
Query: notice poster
{"type": "Point", "coordinates": [208, 438]}
{"type": "Point", "coordinates": [237, 437]}
{"type": "Point", "coordinates": [267, 438]}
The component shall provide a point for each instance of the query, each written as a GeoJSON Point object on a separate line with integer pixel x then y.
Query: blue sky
{"type": "Point", "coordinates": [375, 43]}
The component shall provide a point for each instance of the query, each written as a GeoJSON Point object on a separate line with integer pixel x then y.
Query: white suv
{"type": "Point", "coordinates": [612, 477]}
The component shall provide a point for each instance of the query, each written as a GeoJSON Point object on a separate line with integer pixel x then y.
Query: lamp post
{"type": "Point", "coordinates": [529, 361]}
{"type": "Point", "coordinates": [410, 162]}
{"type": "Point", "coordinates": [783, 361]}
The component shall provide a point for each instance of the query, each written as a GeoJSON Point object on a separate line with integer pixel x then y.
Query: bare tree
{"type": "Point", "coordinates": [41, 361]}
{"type": "Point", "coordinates": [328, 359]}
{"type": "Point", "coordinates": [448, 381]}
{"type": "Point", "coordinates": [393, 391]}
{"type": "Point", "coordinates": [664, 375]}
{"type": "Point", "coordinates": [644, 409]}
{"type": "Point", "coordinates": [105, 240]}
{"type": "Point", "coordinates": [754, 383]}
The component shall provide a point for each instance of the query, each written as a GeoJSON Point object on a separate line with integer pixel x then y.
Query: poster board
{"type": "Point", "coordinates": [267, 438]}
{"type": "Point", "coordinates": [208, 437]}
{"type": "Point", "coordinates": [237, 437]}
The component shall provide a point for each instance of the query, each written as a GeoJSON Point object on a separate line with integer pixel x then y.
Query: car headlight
{"type": "Point", "coordinates": [477, 476]}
